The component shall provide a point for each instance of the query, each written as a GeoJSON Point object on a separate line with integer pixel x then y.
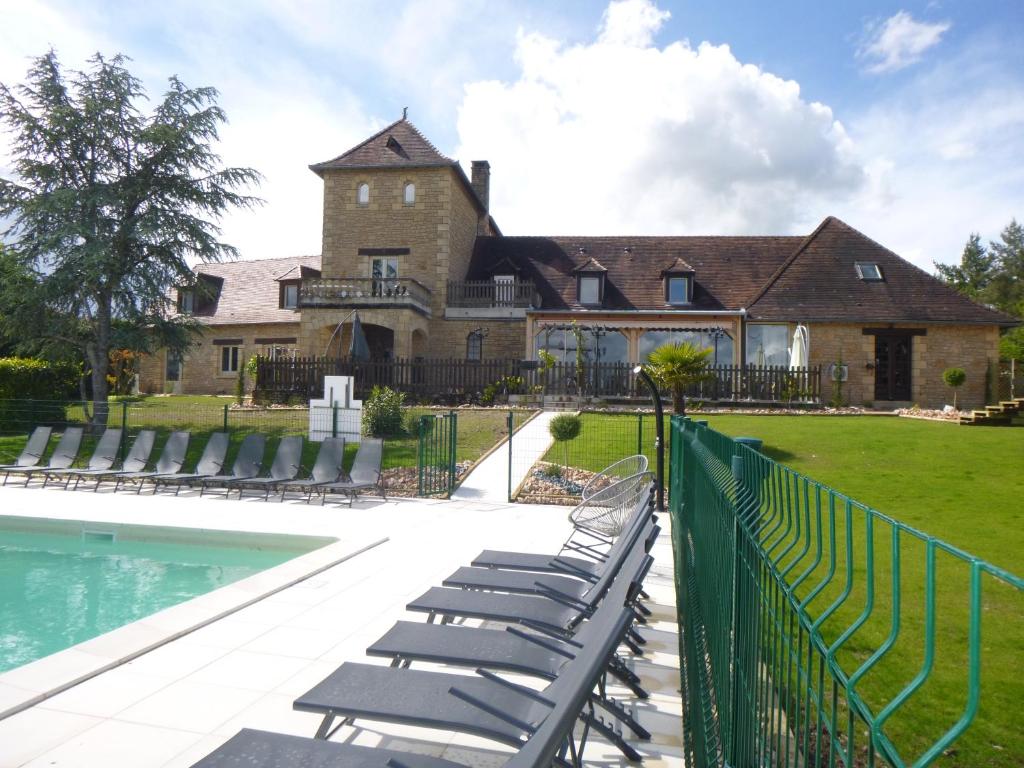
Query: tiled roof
{"type": "Point", "coordinates": [819, 281]}
{"type": "Point", "coordinates": [249, 292]}
{"type": "Point", "coordinates": [398, 145]}
{"type": "Point", "coordinates": [729, 270]}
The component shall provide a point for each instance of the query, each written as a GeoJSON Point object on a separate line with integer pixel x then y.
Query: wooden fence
{"type": "Point", "coordinates": [464, 381]}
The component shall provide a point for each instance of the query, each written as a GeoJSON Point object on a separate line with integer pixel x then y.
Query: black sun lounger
{"type": "Point", "coordinates": [135, 461]}
{"type": "Point", "coordinates": [31, 454]}
{"type": "Point", "coordinates": [287, 460]}
{"type": "Point", "coordinates": [103, 457]}
{"type": "Point", "coordinates": [512, 649]}
{"type": "Point", "coordinates": [209, 464]}
{"type": "Point", "coordinates": [365, 474]}
{"type": "Point", "coordinates": [326, 469]}
{"type": "Point", "coordinates": [247, 464]}
{"type": "Point", "coordinates": [486, 705]}
{"type": "Point", "coordinates": [63, 455]}
{"type": "Point", "coordinates": [172, 458]}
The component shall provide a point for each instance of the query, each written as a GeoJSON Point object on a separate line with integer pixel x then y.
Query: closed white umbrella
{"type": "Point", "coordinates": [799, 352]}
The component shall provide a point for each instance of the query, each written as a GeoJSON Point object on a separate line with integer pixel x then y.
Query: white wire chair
{"type": "Point", "coordinates": [606, 511]}
{"type": "Point", "coordinates": [627, 467]}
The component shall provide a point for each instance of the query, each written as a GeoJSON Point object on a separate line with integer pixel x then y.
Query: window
{"type": "Point", "coordinates": [363, 194]}
{"type": "Point", "coordinates": [384, 267]}
{"type": "Point", "coordinates": [409, 193]}
{"type": "Point", "coordinates": [475, 345]}
{"type": "Point", "coordinates": [677, 290]}
{"type": "Point", "coordinates": [590, 290]}
{"type": "Point", "coordinates": [289, 295]}
{"type": "Point", "coordinates": [186, 302]}
{"type": "Point", "coordinates": [868, 271]}
{"type": "Point", "coordinates": [504, 290]}
{"type": "Point", "coordinates": [767, 345]}
{"type": "Point", "coordinates": [173, 370]}
{"type": "Point", "coordinates": [229, 359]}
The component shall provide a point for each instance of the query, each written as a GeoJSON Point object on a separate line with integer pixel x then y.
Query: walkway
{"type": "Point", "coordinates": [489, 481]}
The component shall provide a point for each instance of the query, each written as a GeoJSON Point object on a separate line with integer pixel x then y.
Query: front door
{"type": "Point", "coordinates": [892, 366]}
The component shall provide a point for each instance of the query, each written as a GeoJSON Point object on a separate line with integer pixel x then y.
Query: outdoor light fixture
{"type": "Point", "coordinates": [659, 441]}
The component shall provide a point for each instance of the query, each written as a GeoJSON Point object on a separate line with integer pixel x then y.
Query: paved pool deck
{"type": "Point", "coordinates": [203, 677]}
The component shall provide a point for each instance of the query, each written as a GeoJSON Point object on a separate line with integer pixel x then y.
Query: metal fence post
{"type": "Point", "coordinates": [124, 429]}
{"type": "Point", "coordinates": [511, 426]}
{"type": "Point", "coordinates": [452, 437]}
{"type": "Point", "coordinates": [639, 433]}
{"type": "Point", "coordinates": [334, 420]}
{"type": "Point", "coordinates": [420, 458]}
{"type": "Point", "coordinates": [225, 417]}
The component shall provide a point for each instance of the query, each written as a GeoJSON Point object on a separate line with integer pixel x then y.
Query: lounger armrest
{"type": "Point", "coordinates": [529, 693]}
{"type": "Point", "coordinates": [566, 567]}
{"type": "Point", "coordinates": [545, 590]}
{"type": "Point", "coordinates": [544, 630]}
{"type": "Point", "coordinates": [530, 638]}
{"type": "Point", "coordinates": [489, 709]}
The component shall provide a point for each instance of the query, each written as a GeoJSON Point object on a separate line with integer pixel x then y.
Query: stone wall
{"type": "Point", "coordinates": [505, 338]}
{"type": "Point", "coordinates": [973, 348]}
{"type": "Point", "coordinates": [201, 368]}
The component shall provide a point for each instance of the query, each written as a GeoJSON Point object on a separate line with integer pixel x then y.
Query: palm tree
{"type": "Point", "coordinates": [677, 366]}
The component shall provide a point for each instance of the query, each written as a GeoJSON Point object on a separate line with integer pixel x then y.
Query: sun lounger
{"type": "Point", "coordinates": [172, 458]}
{"type": "Point", "coordinates": [32, 454]}
{"type": "Point", "coordinates": [247, 464]}
{"type": "Point", "coordinates": [103, 457]}
{"type": "Point", "coordinates": [287, 460]}
{"type": "Point", "coordinates": [486, 705]}
{"type": "Point", "coordinates": [326, 469]}
{"type": "Point", "coordinates": [365, 474]}
{"type": "Point", "coordinates": [63, 456]}
{"type": "Point", "coordinates": [135, 461]}
{"type": "Point", "coordinates": [209, 464]}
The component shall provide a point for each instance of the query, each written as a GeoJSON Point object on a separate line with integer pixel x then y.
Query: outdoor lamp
{"type": "Point", "coordinates": [659, 441]}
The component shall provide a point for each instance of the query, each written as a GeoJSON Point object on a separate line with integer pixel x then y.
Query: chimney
{"type": "Point", "coordinates": [481, 181]}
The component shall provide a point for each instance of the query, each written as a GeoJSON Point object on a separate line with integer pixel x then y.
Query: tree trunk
{"type": "Point", "coordinates": [99, 357]}
{"type": "Point", "coordinates": [678, 400]}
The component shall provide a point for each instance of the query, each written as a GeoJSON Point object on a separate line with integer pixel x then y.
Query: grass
{"type": "Point", "coordinates": [963, 485]}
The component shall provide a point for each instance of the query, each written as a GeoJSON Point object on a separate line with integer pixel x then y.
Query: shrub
{"type": "Point", "coordinates": [382, 412]}
{"type": "Point", "coordinates": [37, 380]}
{"type": "Point", "coordinates": [563, 428]}
{"type": "Point", "coordinates": [954, 378]}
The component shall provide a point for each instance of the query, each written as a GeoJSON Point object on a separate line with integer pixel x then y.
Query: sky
{"type": "Point", "coordinates": [904, 119]}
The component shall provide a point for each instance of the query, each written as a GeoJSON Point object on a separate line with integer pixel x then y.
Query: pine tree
{"type": "Point", "coordinates": [974, 273]}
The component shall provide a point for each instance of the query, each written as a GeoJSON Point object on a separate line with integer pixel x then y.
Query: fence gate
{"type": "Point", "coordinates": [435, 455]}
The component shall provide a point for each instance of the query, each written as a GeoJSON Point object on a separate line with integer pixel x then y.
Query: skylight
{"type": "Point", "coordinates": [867, 270]}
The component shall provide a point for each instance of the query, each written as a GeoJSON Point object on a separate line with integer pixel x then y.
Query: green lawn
{"type": "Point", "coordinates": [964, 485]}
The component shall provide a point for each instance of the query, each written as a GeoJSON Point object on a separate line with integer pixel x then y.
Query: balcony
{"type": "Point", "coordinates": [490, 298]}
{"type": "Point", "coordinates": [355, 292]}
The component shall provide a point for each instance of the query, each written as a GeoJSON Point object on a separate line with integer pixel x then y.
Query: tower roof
{"type": "Point", "coordinates": [396, 146]}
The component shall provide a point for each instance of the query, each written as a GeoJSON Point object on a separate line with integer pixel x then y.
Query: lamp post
{"type": "Point", "coordinates": [659, 441]}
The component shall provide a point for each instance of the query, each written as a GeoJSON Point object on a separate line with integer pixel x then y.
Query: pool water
{"type": "Point", "coordinates": [57, 590]}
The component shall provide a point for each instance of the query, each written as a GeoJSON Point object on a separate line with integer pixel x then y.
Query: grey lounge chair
{"type": "Point", "coordinates": [63, 455]}
{"type": "Point", "coordinates": [209, 464]}
{"type": "Point", "coordinates": [32, 454]}
{"type": "Point", "coordinates": [172, 458]}
{"type": "Point", "coordinates": [287, 460]}
{"type": "Point", "coordinates": [103, 457]}
{"type": "Point", "coordinates": [135, 461]}
{"type": "Point", "coordinates": [247, 464]}
{"type": "Point", "coordinates": [365, 474]}
{"type": "Point", "coordinates": [326, 469]}
{"type": "Point", "coordinates": [487, 705]}
{"type": "Point", "coordinates": [513, 650]}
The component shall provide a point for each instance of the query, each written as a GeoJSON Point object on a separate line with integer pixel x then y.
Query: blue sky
{"type": "Point", "coordinates": [633, 117]}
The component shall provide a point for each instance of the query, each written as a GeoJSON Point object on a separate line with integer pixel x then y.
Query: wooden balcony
{"type": "Point", "coordinates": [490, 298]}
{"type": "Point", "coordinates": [355, 292]}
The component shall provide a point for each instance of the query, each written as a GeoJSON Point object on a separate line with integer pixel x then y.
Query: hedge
{"type": "Point", "coordinates": [34, 380]}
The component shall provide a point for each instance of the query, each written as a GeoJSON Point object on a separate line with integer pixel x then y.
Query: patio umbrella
{"type": "Point", "coordinates": [759, 359]}
{"type": "Point", "coordinates": [358, 349]}
{"type": "Point", "coordinates": [798, 353]}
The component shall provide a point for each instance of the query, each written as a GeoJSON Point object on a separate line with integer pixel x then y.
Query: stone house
{"type": "Point", "coordinates": [409, 243]}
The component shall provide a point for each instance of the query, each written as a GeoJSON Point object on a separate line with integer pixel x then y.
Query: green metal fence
{"type": "Point", "coordinates": [435, 454]}
{"type": "Point", "coordinates": [816, 631]}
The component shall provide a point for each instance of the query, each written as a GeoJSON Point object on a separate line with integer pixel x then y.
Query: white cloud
{"type": "Point", "coordinates": [899, 41]}
{"type": "Point", "coordinates": [619, 136]}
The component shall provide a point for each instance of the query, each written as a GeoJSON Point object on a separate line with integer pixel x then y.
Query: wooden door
{"type": "Point", "coordinates": [892, 366]}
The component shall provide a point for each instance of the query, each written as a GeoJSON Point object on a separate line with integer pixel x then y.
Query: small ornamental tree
{"type": "Point", "coordinates": [563, 428]}
{"type": "Point", "coordinates": [677, 366]}
{"type": "Point", "coordinates": [954, 378]}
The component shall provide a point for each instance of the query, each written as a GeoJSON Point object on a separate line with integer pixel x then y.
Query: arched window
{"type": "Point", "coordinates": [409, 193]}
{"type": "Point", "coordinates": [475, 345]}
{"type": "Point", "coordinates": [363, 194]}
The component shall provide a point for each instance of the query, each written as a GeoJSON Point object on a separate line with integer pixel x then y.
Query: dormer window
{"type": "Point", "coordinates": [409, 194]}
{"type": "Point", "coordinates": [678, 277]}
{"type": "Point", "coordinates": [869, 271]}
{"type": "Point", "coordinates": [590, 283]}
{"type": "Point", "coordinates": [186, 302]}
{"type": "Point", "coordinates": [363, 194]}
{"type": "Point", "coordinates": [289, 295]}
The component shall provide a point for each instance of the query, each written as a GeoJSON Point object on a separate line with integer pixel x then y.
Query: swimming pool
{"type": "Point", "coordinates": [64, 582]}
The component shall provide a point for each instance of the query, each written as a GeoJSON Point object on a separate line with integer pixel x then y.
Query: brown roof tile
{"type": "Point", "coordinates": [398, 145]}
{"type": "Point", "coordinates": [249, 290]}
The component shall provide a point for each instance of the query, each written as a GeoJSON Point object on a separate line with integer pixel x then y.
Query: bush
{"type": "Point", "coordinates": [36, 380]}
{"type": "Point", "coordinates": [954, 378]}
{"type": "Point", "coordinates": [382, 412]}
{"type": "Point", "coordinates": [563, 428]}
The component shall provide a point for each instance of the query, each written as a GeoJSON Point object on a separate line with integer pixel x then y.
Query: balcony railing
{"type": "Point", "coordinates": [364, 292]}
{"type": "Point", "coordinates": [479, 294]}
